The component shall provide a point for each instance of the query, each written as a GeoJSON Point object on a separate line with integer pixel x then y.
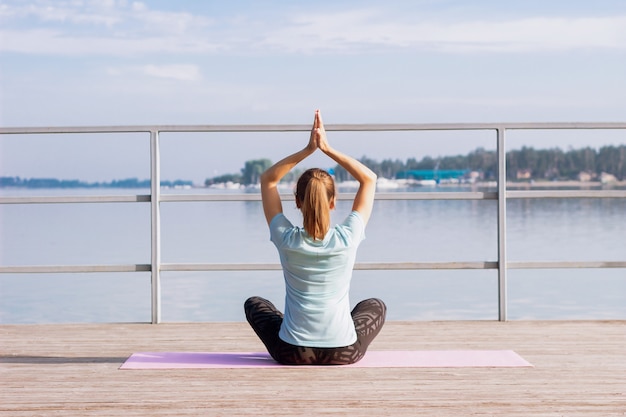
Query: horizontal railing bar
{"type": "Point", "coordinates": [461, 195]}
{"type": "Point", "coordinates": [54, 269]}
{"type": "Point", "coordinates": [219, 267]}
{"type": "Point", "coordinates": [179, 198]}
{"type": "Point", "coordinates": [405, 265]}
{"type": "Point", "coordinates": [470, 126]}
{"type": "Point", "coordinates": [307, 127]}
{"type": "Point", "coordinates": [425, 265]}
{"type": "Point", "coordinates": [73, 129]}
{"type": "Point", "coordinates": [189, 267]}
{"type": "Point", "coordinates": [76, 199]}
{"type": "Point", "coordinates": [363, 266]}
{"type": "Point", "coordinates": [565, 264]}
{"type": "Point", "coordinates": [239, 197]}
{"type": "Point", "coordinates": [340, 196]}
{"type": "Point", "coordinates": [566, 193]}
{"type": "Point", "coordinates": [358, 266]}
{"type": "Point", "coordinates": [445, 195]}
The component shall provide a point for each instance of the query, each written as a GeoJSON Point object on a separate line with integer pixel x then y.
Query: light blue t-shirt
{"type": "Point", "coordinates": [317, 281]}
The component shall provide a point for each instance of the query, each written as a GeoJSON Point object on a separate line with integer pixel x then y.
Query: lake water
{"type": "Point", "coordinates": [225, 232]}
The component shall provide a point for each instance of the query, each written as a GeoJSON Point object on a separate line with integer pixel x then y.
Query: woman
{"type": "Point", "coordinates": [317, 327]}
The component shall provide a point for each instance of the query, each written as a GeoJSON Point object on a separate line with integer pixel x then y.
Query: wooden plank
{"type": "Point", "coordinates": [72, 370]}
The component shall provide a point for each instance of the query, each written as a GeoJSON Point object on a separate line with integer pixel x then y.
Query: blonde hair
{"type": "Point", "coordinates": [314, 192]}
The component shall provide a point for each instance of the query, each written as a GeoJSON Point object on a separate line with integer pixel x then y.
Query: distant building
{"type": "Point", "coordinates": [432, 174]}
{"type": "Point", "coordinates": [606, 178]}
{"type": "Point", "coordinates": [585, 176]}
{"type": "Point", "coordinates": [524, 174]}
{"type": "Point", "coordinates": [475, 176]}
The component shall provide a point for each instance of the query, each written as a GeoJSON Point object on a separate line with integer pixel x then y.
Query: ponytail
{"type": "Point", "coordinates": [314, 193]}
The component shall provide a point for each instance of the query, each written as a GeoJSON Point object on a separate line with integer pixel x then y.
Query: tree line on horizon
{"type": "Point", "coordinates": [57, 183]}
{"type": "Point", "coordinates": [539, 164]}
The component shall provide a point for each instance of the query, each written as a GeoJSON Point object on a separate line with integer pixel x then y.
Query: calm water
{"type": "Point", "coordinates": [224, 232]}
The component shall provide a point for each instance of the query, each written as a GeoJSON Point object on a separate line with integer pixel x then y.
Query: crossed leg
{"type": "Point", "coordinates": [265, 319]}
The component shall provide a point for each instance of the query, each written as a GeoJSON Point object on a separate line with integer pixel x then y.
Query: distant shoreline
{"type": "Point", "coordinates": [55, 183]}
{"type": "Point", "coordinates": [565, 184]}
{"type": "Point", "coordinates": [513, 185]}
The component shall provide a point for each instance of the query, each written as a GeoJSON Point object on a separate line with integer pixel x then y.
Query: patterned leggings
{"type": "Point", "coordinates": [265, 319]}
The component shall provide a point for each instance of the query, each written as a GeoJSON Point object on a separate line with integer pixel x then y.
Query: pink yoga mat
{"type": "Point", "coordinates": [373, 359]}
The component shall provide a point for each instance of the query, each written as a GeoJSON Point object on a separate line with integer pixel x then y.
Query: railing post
{"type": "Point", "coordinates": [155, 221]}
{"type": "Point", "coordinates": [502, 292]}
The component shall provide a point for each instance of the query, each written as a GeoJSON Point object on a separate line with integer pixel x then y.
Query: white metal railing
{"type": "Point", "coordinates": [155, 198]}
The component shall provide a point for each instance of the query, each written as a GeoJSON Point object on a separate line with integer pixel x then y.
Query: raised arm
{"type": "Point", "coordinates": [364, 199]}
{"type": "Point", "coordinates": [272, 176]}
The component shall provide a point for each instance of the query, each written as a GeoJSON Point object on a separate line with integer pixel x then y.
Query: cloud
{"type": "Point", "coordinates": [100, 27]}
{"type": "Point", "coordinates": [180, 72]}
{"type": "Point", "coordinates": [119, 27]}
{"type": "Point", "coordinates": [118, 14]}
{"type": "Point", "coordinates": [64, 12]}
{"type": "Point", "coordinates": [177, 72]}
{"type": "Point", "coordinates": [55, 42]}
{"type": "Point", "coordinates": [361, 30]}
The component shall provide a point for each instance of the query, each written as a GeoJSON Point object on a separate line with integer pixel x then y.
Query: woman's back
{"type": "Point", "coordinates": [317, 277]}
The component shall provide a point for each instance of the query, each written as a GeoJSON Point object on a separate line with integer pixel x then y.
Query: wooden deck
{"type": "Point", "coordinates": [72, 370]}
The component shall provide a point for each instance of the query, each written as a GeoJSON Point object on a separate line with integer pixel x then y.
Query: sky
{"type": "Point", "coordinates": [122, 62]}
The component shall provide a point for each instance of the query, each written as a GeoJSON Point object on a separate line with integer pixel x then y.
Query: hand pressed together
{"type": "Point", "coordinates": [318, 138]}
